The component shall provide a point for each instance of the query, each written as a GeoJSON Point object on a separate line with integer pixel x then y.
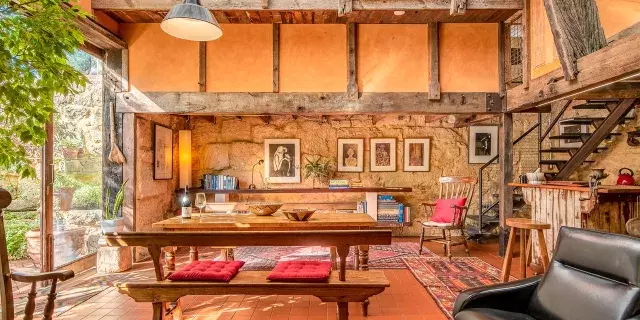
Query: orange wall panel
{"type": "Point", "coordinates": [469, 57]}
{"type": "Point", "coordinates": [158, 61]}
{"type": "Point", "coordinates": [313, 58]}
{"type": "Point", "coordinates": [617, 15]}
{"type": "Point", "coordinates": [241, 60]}
{"type": "Point", "coordinates": [85, 5]}
{"type": "Point", "coordinates": [393, 58]}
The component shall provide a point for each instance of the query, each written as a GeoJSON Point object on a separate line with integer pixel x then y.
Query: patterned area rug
{"type": "Point", "coordinates": [380, 257]}
{"type": "Point", "coordinates": [444, 280]}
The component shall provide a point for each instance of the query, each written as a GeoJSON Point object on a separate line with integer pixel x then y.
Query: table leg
{"type": "Point", "coordinates": [364, 257]}
{"type": "Point", "coordinates": [170, 258]}
{"type": "Point", "coordinates": [343, 310]}
{"type": "Point", "coordinates": [506, 266]}
{"type": "Point", "coordinates": [543, 250]}
{"type": "Point", "coordinates": [230, 255]}
{"type": "Point", "coordinates": [333, 252]}
{"type": "Point", "coordinates": [356, 258]}
{"type": "Point", "coordinates": [523, 254]}
{"type": "Point", "coordinates": [193, 254]}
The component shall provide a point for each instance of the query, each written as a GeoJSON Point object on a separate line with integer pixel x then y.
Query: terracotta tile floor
{"type": "Point", "coordinates": [406, 299]}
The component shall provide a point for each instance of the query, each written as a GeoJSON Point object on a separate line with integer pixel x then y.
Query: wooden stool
{"type": "Point", "coordinates": [524, 224]}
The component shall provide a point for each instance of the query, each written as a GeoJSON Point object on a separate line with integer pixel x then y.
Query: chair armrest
{"type": "Point", "coordinates": [429, 204]}
{"type": "Point", "coordinates": [455, 206]}
{"type": "Point", "coordinates": [511, 296]}
{"type": "Point", "coordinates": [35, 277]}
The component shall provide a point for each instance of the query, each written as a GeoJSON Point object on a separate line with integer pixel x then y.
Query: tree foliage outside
{"type": "Point", "coordinates": [36, 36]}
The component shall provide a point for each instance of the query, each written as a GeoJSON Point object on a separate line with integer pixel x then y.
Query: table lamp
{"type": "Point", "coordinates": [253, 186]}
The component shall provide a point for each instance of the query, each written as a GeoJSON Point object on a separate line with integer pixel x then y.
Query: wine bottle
{"type": "Point", "coordinates": [185, 204]}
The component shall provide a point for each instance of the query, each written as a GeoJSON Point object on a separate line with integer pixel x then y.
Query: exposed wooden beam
{"type": "Point", "coordinates": [98, 35]}
{"type": "Point", "coordinates": [458, 7]}
{"type": "Point", "coordinates": [305, 103]}
{"type": "Point", "coordinates": [502, 62]}
{"type": "Point", "coordinates": [46, 191]}
{"type": "Point", "coordinates": [202, 66]}
{"type": "Point", "coordinates": [576, 29]}
{"type": "Point", "coordinates": [590, 145]}
{"type": "Point", "coordinates": [617, 90]}
{"type": "Point", "coordinates": [434, 61]}
{"type": "Point", "coordinates": [526, 44]}
{"type": "Point", "coordinates": [276, 57]}
{"type": "Point", "coordinates": [352, 83]}
{"type": "Point", "coordinates": [633, 29]}
{"type": "Point", "coordinates": [615, 62]}
{"type": "Point", "coordinates": [311, 5]}
{"type": "Point", "coordinates": [345, 7]}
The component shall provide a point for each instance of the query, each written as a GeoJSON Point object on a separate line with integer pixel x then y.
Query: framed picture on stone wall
{"type": "Point", "coordinates": [162, 153]}
{"type": "Point", "coordinates": [383, 154]}
{"type": "Point", "coordinates": [483, 143]}
{"type": "Point", "coordinates": [350, 155]}
{"type": "Point", "coordinates": [282, 160]}
{"type": "Point", "coordinates": [416, 154]}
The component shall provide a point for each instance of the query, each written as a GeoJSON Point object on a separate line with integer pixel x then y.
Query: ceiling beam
{"type": "Point", "coordinates": [305, 103]}
{"type": "Point", "coordinates": [619, 60]}
{"type": "Point", "coordinates": [287, 5]}
{"type": "Point", "coordinates": [577, 31]}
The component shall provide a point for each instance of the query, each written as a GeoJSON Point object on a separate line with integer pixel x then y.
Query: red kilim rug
{"type": "Point", "coordinates": [380, 257]}
{"type": "Point", "coordinates": [444, 280]}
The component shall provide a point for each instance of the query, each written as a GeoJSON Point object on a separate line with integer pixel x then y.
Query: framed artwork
{"type": "Point", "coordinates": [383, 154]}
{"type": "Point", "coordinates": [282, 160]}
{"type": "Point", "coordinates": [350, 155]}
{"type": "Point", "coordinates": [572, 128]}
{"type": "Point", "coordinates": [483, 143]}
{"type": "Point", "coordinates": [162, 153]}
{"type": "Point", "coordinates": [416, 154]}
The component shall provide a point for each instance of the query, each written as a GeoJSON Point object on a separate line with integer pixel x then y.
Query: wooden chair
{"type": "Point", "coordinates": [6, 289]}
{"type": "Point", "coordinates": [451, 188]}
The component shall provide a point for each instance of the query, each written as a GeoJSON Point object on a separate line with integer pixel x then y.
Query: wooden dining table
{"type": "Point", "coordinates": [325, 220]}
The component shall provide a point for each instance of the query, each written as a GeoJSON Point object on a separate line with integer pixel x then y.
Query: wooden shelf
{"type": "Point", "coordinates": [299, 190]}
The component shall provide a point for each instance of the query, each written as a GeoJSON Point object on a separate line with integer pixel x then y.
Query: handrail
{"type": "Point", "coordinates": [555, 120]}
{"type": "Point", "coordinates": [480, 210]}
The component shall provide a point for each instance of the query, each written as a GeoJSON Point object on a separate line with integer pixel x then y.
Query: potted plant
{"type": "Point", "coordinates": [71, 148]}
{"type": "Point", "coordinates": [65, 187]}
{"type": "Point", "coordinates": [112, 220]}
{"type": "Point", "coordinates": [318, 169]}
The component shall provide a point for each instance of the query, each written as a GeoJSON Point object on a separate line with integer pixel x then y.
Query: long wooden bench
{"type": "Point", "coordinates": [342, 288]}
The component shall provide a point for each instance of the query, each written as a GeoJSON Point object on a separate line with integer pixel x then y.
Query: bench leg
{"type": "Point", "coordinates": [364, 257]}
{"type": "Point", "coordinates": [365, 308]}
{"type": "Point", "coordinates": [170, 258]}
{"type": "Point", "coordinates": [193, 254]}
{"type": "Point", "coordinates": [158, 310]}
{"type": "Point", "coordinates": [343, 310]}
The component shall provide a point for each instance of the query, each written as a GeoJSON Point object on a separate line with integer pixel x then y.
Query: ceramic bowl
{"type": "Point", "coordinates": [298, 215]}
{"type": "Point", "coordinates": [536, 177]}
{"type": "Point", "coordinates": [264, 209]}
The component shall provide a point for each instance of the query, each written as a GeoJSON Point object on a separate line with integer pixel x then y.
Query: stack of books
{"type": "Point", "coordinates": [338, 184]}
{"type": "Point", "coordinates": [357, 184]}
{"type": "Point", "coordinates": [361, 207]}
{"type": "Point", "coordinates": [390, 210]}
{"type": "Point", "coordinates": [219, 182]}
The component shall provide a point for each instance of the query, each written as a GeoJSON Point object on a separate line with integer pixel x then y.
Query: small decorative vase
{"type": "Point", "coordinates": [116, 225]}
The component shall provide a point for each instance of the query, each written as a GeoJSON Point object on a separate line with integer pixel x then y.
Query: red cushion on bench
{"type": "Point", "coordinates": [301, 271]}
{"type": "Point", "coordinates": [222, 271]}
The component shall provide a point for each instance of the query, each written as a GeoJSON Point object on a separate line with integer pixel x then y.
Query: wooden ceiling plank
{"type": "Point", "coordinates": [307, 17]}
{"type": "Point", "coordinates": [220, 16]}
{"type": "Point", "coordinates": [276, 17]}
{"type": "Point", "coordinates": [265, 16]}
{"type": "Point", "coordinates": [253, 16]}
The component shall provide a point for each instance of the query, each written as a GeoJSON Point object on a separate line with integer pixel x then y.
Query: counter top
{"type": "Point", "coordinates": [603, 189]}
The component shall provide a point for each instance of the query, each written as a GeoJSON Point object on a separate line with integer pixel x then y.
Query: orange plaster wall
{"type": "Point", "coordinates": [313, 58]}
{"type": "Point", "coordinates": [615, 16]}
{"type": "Point", "coordinates": [85, 4]}
{"type": "Point", "coordinates": [469, 57]}
{"type": "Point", "coordinates": [158, 61]}
{"type": "Point", "coordinates": [393, 58]}
{"type": "Point", "coordinates": [241, 60]}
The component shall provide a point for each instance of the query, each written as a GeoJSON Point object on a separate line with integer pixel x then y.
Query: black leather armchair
{"type": "Point", "coordinates": [593, 276]}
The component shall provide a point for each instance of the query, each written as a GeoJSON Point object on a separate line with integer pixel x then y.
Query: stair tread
{"type": "Point", "coordinates": [552, 150]}
{"type": "Point", "coordinates": [591, 106]}
{"type": "Point", "coordinates": [561, 161]}
{"type": "Point", "coordinates": [588, 120]}
{"type": "Point", "coordinates": [579, 135]}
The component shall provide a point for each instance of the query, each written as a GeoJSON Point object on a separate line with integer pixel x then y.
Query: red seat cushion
{"type": "Point", "coordinates": [301, 271]}
{"type": "Point", "coordinates": [222, 271]}
{"type": "Point", "coordinates": [443, 211]}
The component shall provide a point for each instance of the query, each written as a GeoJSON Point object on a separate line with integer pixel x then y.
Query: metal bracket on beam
{"type": "Point", "coordinates": [494, 102]}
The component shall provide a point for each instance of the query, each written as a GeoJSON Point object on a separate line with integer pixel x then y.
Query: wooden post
{"type": "Point", "coordinates": [112, 173]}
{"type": "Point", "coordinates": [202, 66]}
{"type": "Point", "coordinates": [506, 38]}
{"type": "Point", "coordinates": [6, 290]}
{"type": "Point", "coordinates": [434, 61]}
{"type": "Point", "coordinates": [46, 219]}
{"type": "Point", "coordinates": [577, 31]}
{"type": "Point", "coordinates": [505, 153]}
{"type": "Point", "coordinates": [276, 57]}
{"type": "Point", "coordinates": [502, 63]}
{"type": "Point", "coordinates": [352, 84]}
{"type": "Point", "coordinates": [526, 44]}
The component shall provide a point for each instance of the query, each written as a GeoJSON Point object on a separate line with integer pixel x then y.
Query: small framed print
{"type": "Point", "coordinates": [282, 160]}
{"type": "Point", "coordinates": [572, 128]}
{"type": "Point", "coordinates": [350, 155]}
{"type": "Point", "coordinates": [416, 154]}
{"type": "Point", "coordinates": [383, 154]}
{"type": "Point", "coordinates": [483, 144]}
{"type": "Point", "coordinates": [162, 153]}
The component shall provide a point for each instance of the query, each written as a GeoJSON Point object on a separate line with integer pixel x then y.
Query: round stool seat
{"type": "Point", "coordinates": [524, 223]}
{"type": "Point", "coordinates": [526, 226]}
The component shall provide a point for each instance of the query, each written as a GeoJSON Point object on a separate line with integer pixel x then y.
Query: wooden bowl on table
{"type": "Point", "coordinates": [298, 214]}
{"type": "Point", "coordinates": [264, 209]}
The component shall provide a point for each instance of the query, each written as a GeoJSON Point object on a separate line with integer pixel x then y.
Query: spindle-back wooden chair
{"type": "Point", "coordinates": [7, 276]}
{"type": "Point", "coordinates": [451, 188]}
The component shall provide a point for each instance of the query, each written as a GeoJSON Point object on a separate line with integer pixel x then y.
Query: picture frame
{"type": "Point", "coordinates": [350, 155]}
{"type": "Point", "coordinates": [162, 152]}
{"type": "Point", "coordinates": [483, 144]}
{"type": "Point", "coordinates": [572, 128]}
{"type": "Point", "coordinates": [282, 160]}
{"type": "Point", "coordinates": [383, 154]}
{"type": "Point", "coordinates": [417, 153]}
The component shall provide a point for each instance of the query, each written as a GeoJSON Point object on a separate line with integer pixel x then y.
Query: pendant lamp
{"type": "Point", "coordinates": [191, 21]}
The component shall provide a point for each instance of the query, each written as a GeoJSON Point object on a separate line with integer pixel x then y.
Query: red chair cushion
{"type": "Point", "coordinates": [222, 271]}
{"type": "Point", "coordinates": [443, 211]}
{"type": "Point", "coordinates": [301, 271]}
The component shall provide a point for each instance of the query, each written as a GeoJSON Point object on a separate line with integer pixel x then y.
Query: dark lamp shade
{"type": "Point", "coordinates": [191, 21]}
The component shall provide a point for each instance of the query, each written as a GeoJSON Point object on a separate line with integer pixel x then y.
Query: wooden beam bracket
{"type": "Point", "coordinates": [352, 84]}
{"type": "Point", "coordinates": [434, 61]}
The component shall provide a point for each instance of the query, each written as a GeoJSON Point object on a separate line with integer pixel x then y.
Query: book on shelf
{"type": "Point", "coordinates": [338, 184]}
{"type": "Point", "coordinates": [219, 182]}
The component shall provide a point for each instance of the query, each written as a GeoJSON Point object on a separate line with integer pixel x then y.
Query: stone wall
{"type": "Point", "coordinates": [229, 145]}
